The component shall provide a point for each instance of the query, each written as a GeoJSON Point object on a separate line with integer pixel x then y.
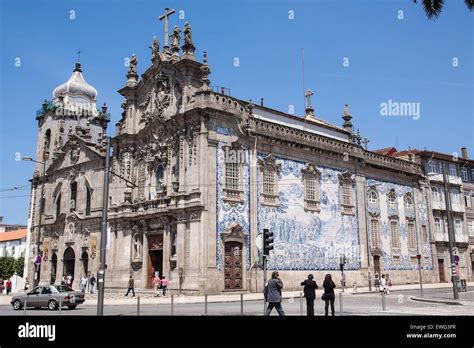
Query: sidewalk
{"type": "Point", "coordinates": [147, 297]}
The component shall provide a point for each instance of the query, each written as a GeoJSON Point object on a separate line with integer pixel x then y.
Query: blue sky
{"type": "Point", "coordinates": [408, 60]}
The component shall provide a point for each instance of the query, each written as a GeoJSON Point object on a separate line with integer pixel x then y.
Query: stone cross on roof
{"type": "Point", "coordinates": [165, 16]}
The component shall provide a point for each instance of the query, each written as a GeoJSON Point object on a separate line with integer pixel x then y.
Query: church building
{"type": "Point", "coordinates": [197, 174]}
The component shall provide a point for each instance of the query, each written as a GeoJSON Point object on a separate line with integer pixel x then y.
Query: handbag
{"type": "Point", "coordinates": [323, 297]}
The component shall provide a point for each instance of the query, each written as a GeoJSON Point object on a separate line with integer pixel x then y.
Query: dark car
{"type": "Point", "coordinates": [48, 296]}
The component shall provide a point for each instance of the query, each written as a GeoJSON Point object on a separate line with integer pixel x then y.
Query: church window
{"type": "Point", "coordinates": [408, 202]}
{"type": "Point", "coordinates": [424, 232]}
{"type": "Point", "coordinates": [375, 233]}
{"type": "Point", "coordinates": [73, 196]}
{"type": "Point", "coordinates": [47, 144]}
{"type": "Point", "coordinates": [141, 181]}
{"type": "Point", "coordinates": [395, 234]}
{"type": "Point", "coordinates": [347, 193]}
{"type": "Point", "coordinates": [312, 187]}
{"type": "Point", "coordinates": [58, 205]}
{"type": "Point", "coordinates": [392, 199]}
{"type": "Point", "coordinates": [233, 171]}
{"type": "Point", "coordinates": [373, 197]}
{"type": "Point", "coordinates": [88, 200]}
{"type": "Point", "coordinates": [160, 176]}
{"type": "Point", "coordinates": [411, 235]}
{"type": "Point", "coordinates": [269, 172]}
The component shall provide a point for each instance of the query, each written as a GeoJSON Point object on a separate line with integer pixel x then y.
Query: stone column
{"type": "Point", "coordinates": [253, 215]}
{"type": "Point", "coordinates": [194, 248]}
{"type": "Point", "coordinates": [166, 251]}
{"type": "Point", "coordinates": [362, 224]}
{"type": "Point", "coordinates": [211, 204]}
{"type": "Point", "coordinates": [144, 270]}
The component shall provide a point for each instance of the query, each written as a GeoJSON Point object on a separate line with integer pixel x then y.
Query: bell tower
{"type": "Point", "coordinates": [72, 110]}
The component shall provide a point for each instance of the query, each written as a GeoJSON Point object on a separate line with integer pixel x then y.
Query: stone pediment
{"type": "Point", "coordinates": [75, 152]}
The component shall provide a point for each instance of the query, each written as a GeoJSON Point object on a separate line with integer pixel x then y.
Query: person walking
{"type": "Point", "coordinates": [131, 284]}
{"type": "Point", "coordinates": [92, 283]}
{"type": "Point", "coordinates": [273, 294]}
{"type": "Point", "coordinates": [63, 280]}
{"type": "Point", "coordinates": [8, 286]}
{"type": "Point", "coordinates": [383, 284]}
{"type": "Point", "coordinates": [83, 283]}
{"type": "Point", "coordinates": [377, 282]}
{"type": "Point", "coordinates": [164, 285]}
{"type": "Point", "coordinates": [328, 295]}
{"type": "Point", "coordinates": [156, 285]}
{"type": "Point", "coordinates": [389, 283]}
{"type": "Point", "coordinates": [309, 290]}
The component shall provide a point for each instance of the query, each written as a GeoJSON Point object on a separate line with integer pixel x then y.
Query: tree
{"type": "Point", "coordinates": [19, 266]}
{"type": "Point", "coordinates": [7, 267]}
{"type": "Point", "coordinates": [433, 7]}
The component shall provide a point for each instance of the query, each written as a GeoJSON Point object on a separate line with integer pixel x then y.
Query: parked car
{"type": "Point", "coordinates": [48, 296]}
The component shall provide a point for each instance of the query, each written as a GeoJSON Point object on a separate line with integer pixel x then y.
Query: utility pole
{"type": "Point", "coordinates": [451, 236]}
{"type": "Point", "coordinates": [103, 236]}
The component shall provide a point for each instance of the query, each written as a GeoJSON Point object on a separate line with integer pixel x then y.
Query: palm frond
{"type": "Point", "coordinates": [433, 7]}
{"type": "Point", "coordinates": [469, 4]}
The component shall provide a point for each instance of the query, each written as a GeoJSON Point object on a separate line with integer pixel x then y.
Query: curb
{"type": "Point", "coordinates": [433, 300]}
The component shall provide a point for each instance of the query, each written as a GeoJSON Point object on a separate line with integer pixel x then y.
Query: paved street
{"type": "Point", "coordinates": [399, 302]}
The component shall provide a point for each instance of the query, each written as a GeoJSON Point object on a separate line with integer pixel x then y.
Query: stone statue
{"type": "Point", "coordinates": [132, 68]}
{"type": "Point", "coordinates": [137, 246]}
{"type": "Point", "coordinates": [176, 36]}
{"type": "Point", "coordinates": [155, 48]}
{"type": "Point", "coordinates": [187, 34]}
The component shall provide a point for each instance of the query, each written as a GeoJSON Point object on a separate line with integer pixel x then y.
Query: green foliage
{"type": "Point", "coordinates": [19, 266]}
{"type": "Point", "coordinates": [7, 267]}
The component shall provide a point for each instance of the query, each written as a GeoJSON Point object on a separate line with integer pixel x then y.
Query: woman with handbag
{"type": "Point", "coordinates": [328, 296]}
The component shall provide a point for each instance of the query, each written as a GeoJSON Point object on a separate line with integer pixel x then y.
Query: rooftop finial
{"type": "Point", "coordinates": [347, 119]}
{"type": "Point", "coordinates": [309, 111]}
{"type": "Point", "coordinates": [205, 73]}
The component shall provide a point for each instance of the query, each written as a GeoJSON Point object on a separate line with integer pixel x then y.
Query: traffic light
{"type": "Point", "coordinates": [267, 241]}
{"type": "Point", "coordinates": [418, 256]}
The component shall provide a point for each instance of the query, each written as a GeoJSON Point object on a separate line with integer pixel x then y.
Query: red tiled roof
{"type": "Point", "coordinates": [406, 152]}
{"type": "Point", "coordinates": [12, 235]}
{"type": "Point", "coordinates": [387, 151]}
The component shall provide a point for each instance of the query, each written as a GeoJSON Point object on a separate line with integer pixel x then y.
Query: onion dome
{"type": "Point", "coordinates": [76, 86]}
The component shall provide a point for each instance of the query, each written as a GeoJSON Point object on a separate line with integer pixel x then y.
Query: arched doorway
{"type": "Point", "coordinates": [54, 268]}
{"type": "Point", "coordinates": [69, 260]}
{"type": "Point", "coordinates": [85, 263]}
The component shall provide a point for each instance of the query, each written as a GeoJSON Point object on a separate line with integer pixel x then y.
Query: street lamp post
{"type": "Point", "coordinates": [38, 239]}
{"type": "Point", "coordinates": [103, 235]}
{"type": "Point", "coordinates": [451, 236]}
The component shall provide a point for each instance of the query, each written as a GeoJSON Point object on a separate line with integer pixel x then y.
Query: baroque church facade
{"type": "Point", "coordinates": [197, 174]}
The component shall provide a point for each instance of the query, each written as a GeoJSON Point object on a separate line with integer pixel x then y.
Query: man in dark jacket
{"type": "Point", "coordinates": [274, 287]}
{"type": "Point", "coordinates": [310, 287]}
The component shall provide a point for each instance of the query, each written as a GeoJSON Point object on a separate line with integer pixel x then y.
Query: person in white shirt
{"type": "Point", "coordinates": [83, 283]}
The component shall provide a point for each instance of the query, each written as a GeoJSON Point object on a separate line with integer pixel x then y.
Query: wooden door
{"type": "Point", "coordinates": [155, 257]}
{"type": "Point", "coordinates": [233, 265]}
{"type": "Point", "coordinates": [441, 270]}
{"type": "Point", "coordinates": [377, 264]}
